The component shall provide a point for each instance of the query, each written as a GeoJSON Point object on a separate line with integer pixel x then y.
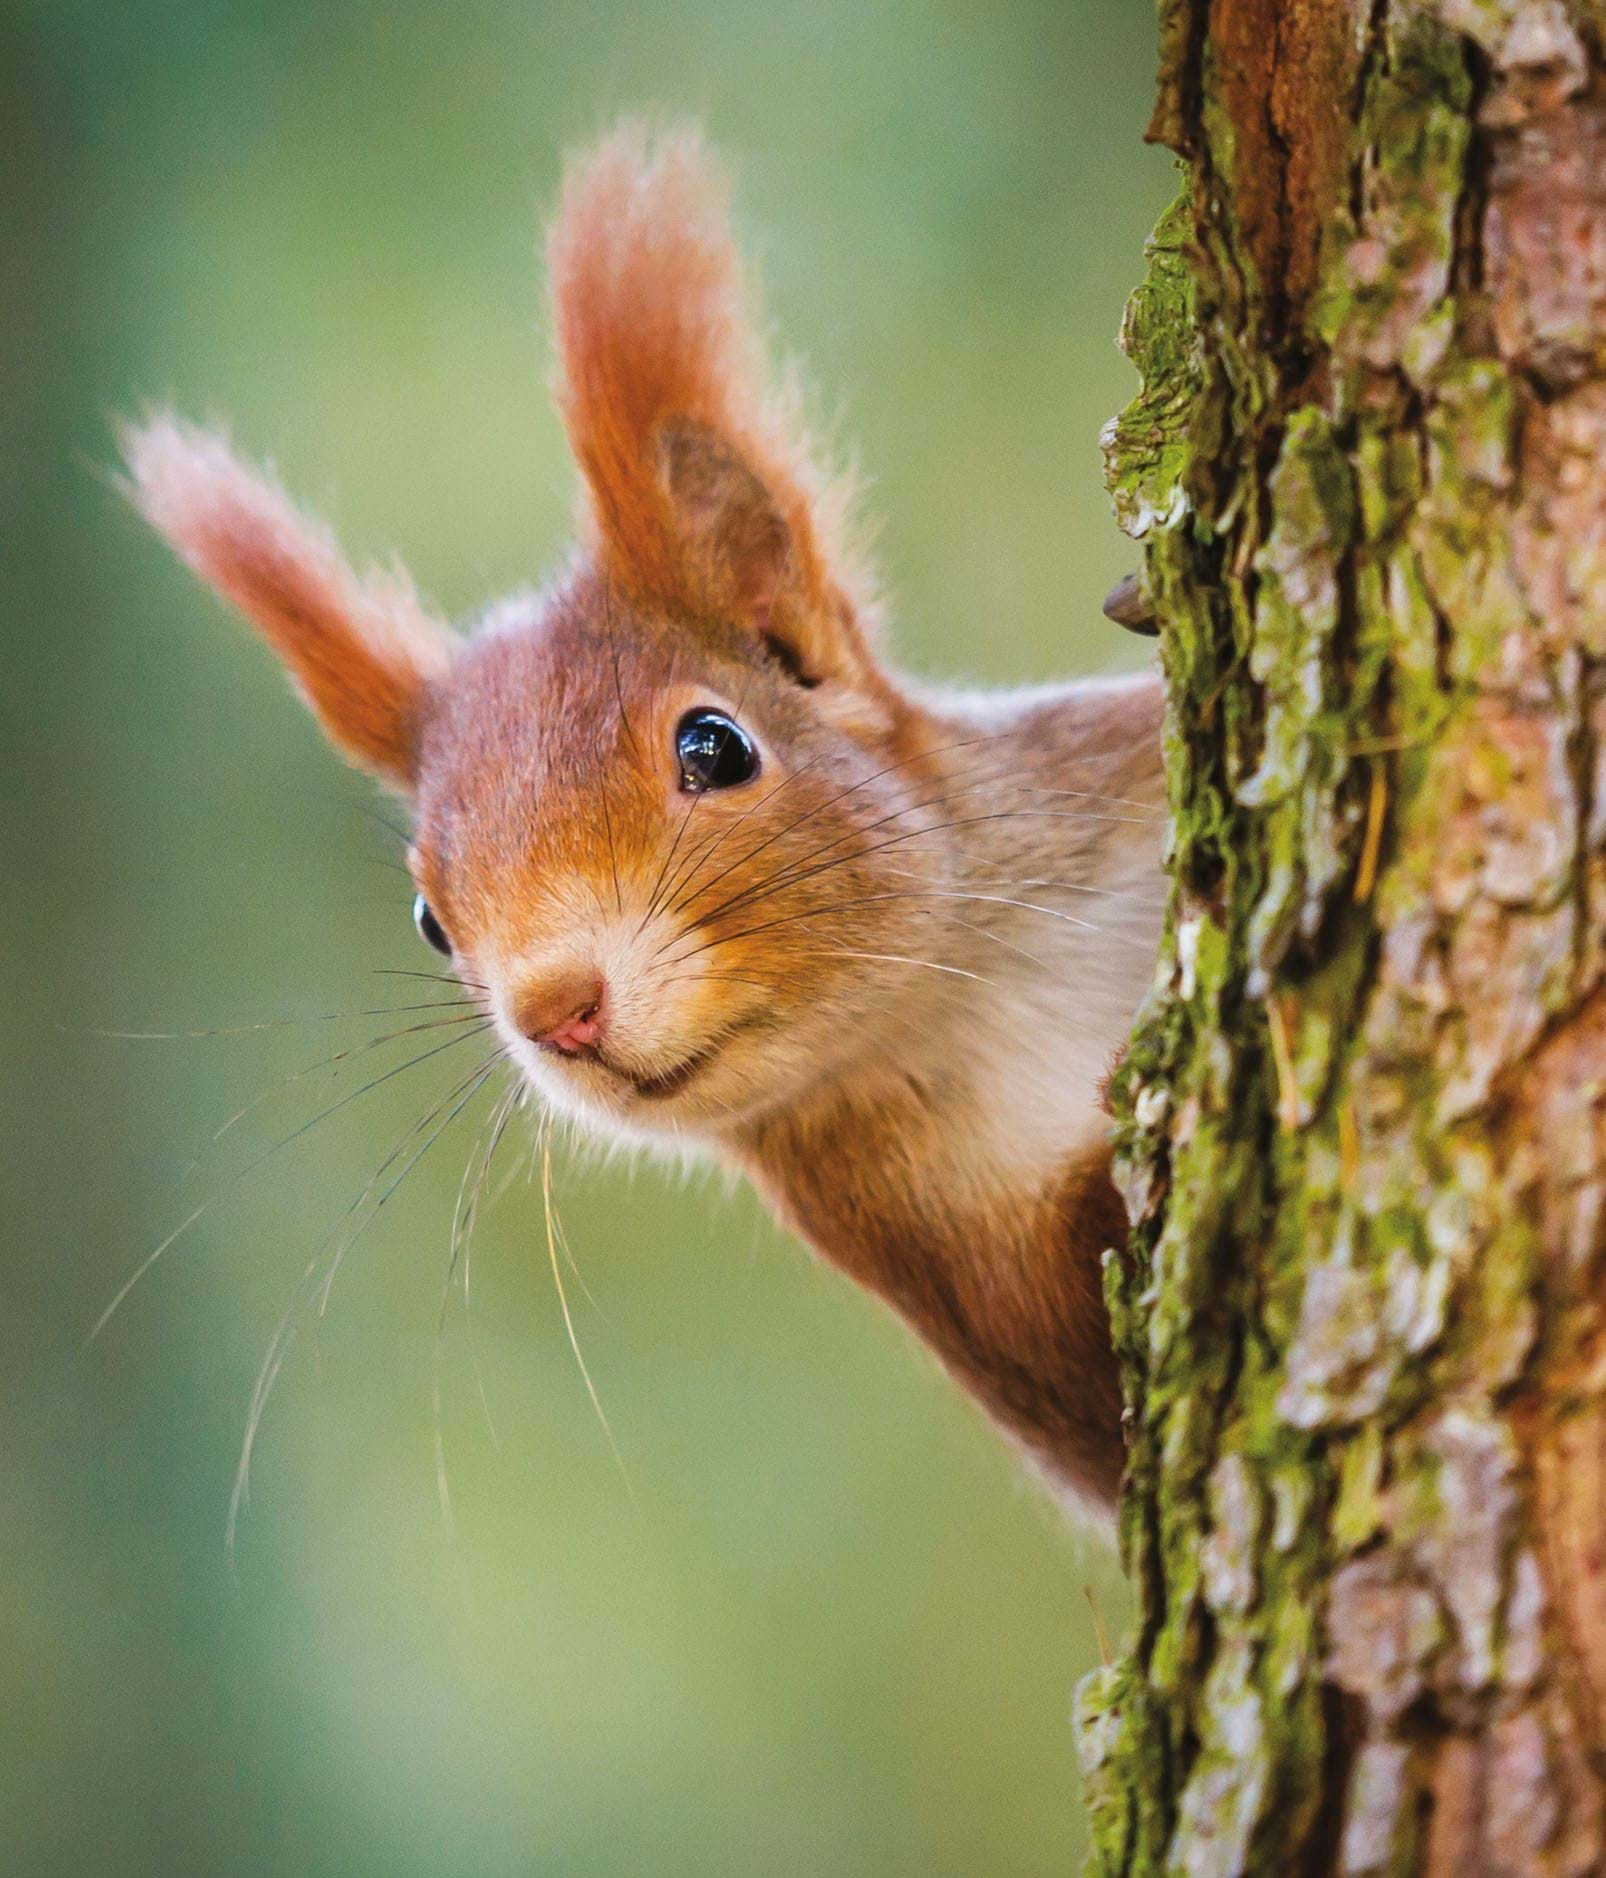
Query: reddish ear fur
{"type": "Point", "coordinates": [697, 499]}
{"type": "Point", "coordinates": [361, 651]}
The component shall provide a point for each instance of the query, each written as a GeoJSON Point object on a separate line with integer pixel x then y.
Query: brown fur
{"type": "Point", "coordinates": [885, 976]}
{"type": "Point", "coordinates": [362, 652]}
{"type": "Point", "coordinates": [1011, 1298]}
{"type": "Point", "coordinates": [655, 349]}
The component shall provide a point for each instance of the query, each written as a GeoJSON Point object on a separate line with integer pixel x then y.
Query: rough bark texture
{"type": "Point", "coordinates": [1364, 1116]}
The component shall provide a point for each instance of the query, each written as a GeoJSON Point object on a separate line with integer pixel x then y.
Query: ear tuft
{"type": "Point", "coordinates": [362, 651]}
{"type": "Point", "coordinates": [700, 497]}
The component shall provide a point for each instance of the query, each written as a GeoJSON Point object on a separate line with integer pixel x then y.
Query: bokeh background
{"type": "Point", "coordinates": [826, 1627]}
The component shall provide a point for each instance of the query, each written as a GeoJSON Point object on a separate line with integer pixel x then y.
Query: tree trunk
{"type": "Point", "coordinates": [1363, 1120]}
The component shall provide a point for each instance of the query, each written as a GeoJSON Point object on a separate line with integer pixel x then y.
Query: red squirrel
{"type": "Point", "coordinates": [723, 880]}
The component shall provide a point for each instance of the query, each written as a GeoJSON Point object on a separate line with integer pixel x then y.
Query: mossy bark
{"type": "Point", "coordinates": [1363, 1118]}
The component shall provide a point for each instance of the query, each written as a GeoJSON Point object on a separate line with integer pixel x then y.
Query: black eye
{"type": "Point", "coordinates": [714, 752]}
{"type": "Point", "coordinates": [430, 930]}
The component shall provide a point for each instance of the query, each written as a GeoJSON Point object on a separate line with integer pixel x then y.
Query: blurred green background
{"type": "Point", "coordinates": [828, 1628]}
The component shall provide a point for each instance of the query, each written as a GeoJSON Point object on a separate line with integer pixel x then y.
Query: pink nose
{"type": "Point", "coordinates": [564, 1013]}
{"type": "Point", "coordinates": [574, 1033]}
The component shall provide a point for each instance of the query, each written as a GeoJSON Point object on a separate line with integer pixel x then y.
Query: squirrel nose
{"type": "Point", "coordinates": [564, 1013]}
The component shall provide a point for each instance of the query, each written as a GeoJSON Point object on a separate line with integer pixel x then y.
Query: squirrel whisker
{"type": "Point", "coordinates": [334, 1061]}
{"type": "Point", "coordinates": [711, 847]}
{"type": "Point", "coordinates": [434, 978]}
{"type": "Point", "coordinates": [820, 808]}
{"type": "Point", "coordinates": [786, 874]}
{"type": "Point", "coordinates": [685, 823]}
{"type": "Point", "coordinates": [466, 1090]}
{"type": "Point", "coordinates": [865, 782]}
{"type": "Point", "coordinates": [931, 965]}
{"type": "Point", "coordinates": [613, 852]}
{"type": "Point", "coordinates": [237, 1179]}
{"type": "Point", "coordinates": [870, 899]}
{"type": "Point", "coordinates": [1039, 880]}
{"type": "Point", "coordinates": [859, 854]}
{"type": "Point", "coordinates": [461, 1248]}
{"type": "Point", "coordinates": [268, 1023]}
{"type": "Point", "coordinates": [278, 1344]}
{"type": "Point", "coordinates": [554, 1232]}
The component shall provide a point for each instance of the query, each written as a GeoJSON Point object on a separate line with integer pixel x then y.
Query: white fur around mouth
{"type": "Point", "coordinates": [670, 1082]}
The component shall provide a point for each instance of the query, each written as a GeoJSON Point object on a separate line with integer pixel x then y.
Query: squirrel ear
{"type": "Point", "coordinates": [700, 498]}
{"type": "Point", "coordinates": [361, 651]}
{"type": "Point", "coordinates": [726, 519]}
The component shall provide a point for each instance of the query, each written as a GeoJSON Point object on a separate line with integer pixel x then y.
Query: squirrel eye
{"type": "Point", "coordinates": [430, 930]}
{"type": "Point", "coordinates": [714, 751]}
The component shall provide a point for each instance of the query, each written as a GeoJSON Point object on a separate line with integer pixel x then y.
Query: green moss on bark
{"type": "Point", "coordinates": [1320, 1251]}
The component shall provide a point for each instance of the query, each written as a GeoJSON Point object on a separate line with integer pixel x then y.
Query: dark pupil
{"type": "Point", "coordinates": [714, 752]}
{"type": "Point", "coordinates": [429, 927]}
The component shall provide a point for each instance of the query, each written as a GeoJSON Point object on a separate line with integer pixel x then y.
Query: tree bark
{"type": "Point", "coordinates": [1363, 1118]}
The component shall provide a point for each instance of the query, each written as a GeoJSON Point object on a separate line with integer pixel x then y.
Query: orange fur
{"type": "Point", "coordinates": [884, 976]}
{"type": "Point", "coordinates": [652, 328]}
{"type": "Point", "coordinates": [361, 651]}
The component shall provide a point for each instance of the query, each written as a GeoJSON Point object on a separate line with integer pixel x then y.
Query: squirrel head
{"type": "Point", "coordinates": [672, 818]}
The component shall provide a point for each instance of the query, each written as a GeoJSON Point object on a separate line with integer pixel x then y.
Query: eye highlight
{"type": "Point", "coordinates": [714, 751]}
{"type": "Point", "coordinates": [430, 930]}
